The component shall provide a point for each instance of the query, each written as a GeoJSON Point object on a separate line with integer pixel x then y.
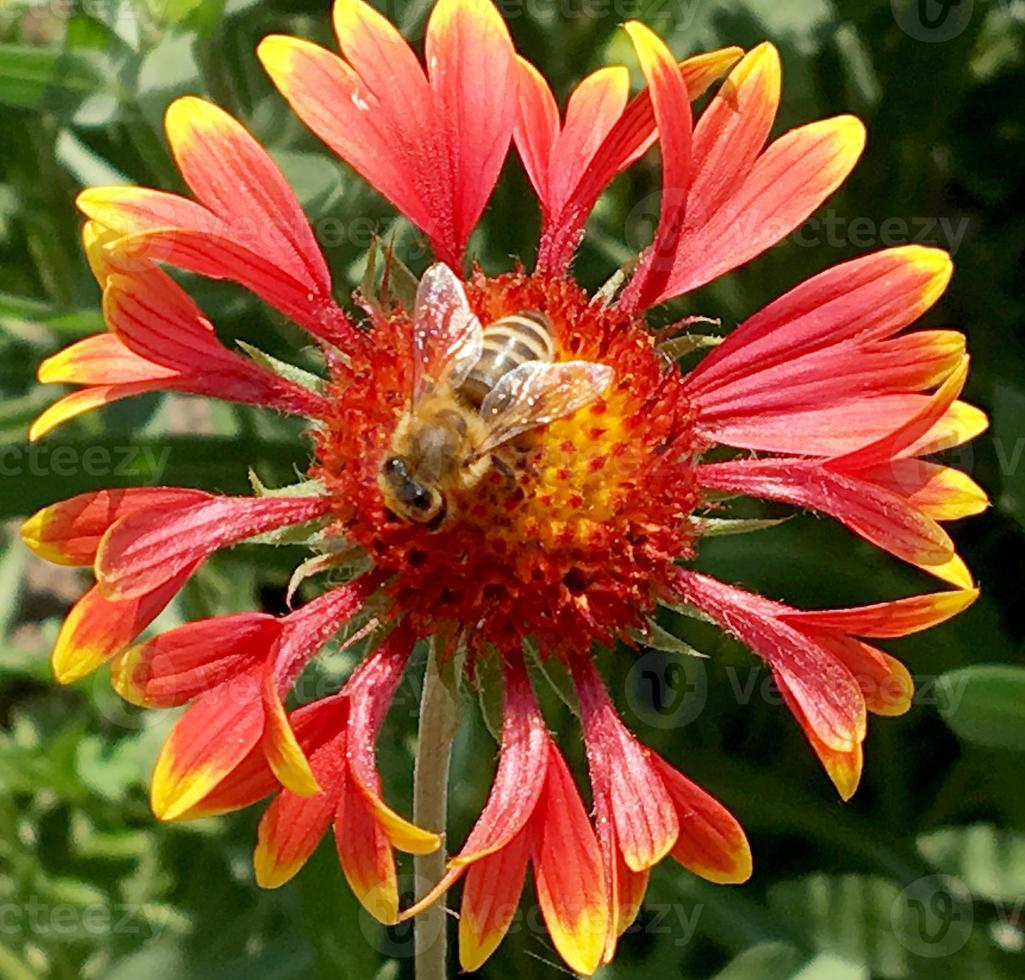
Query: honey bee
{"type": "Point", "coordinates": [474, 390]}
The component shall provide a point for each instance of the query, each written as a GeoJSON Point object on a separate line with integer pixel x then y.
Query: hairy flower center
{"type": "Point", "coordinates": [564, 538]}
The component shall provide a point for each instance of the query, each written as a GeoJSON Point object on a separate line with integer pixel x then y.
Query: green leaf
{"type": "Point", "coordinates": [40, 78]}
{"type": "Point", "coordinates": [827, 966]}
{"type": "Point", "coordinates": [1009, 446]}
{"type": "Point", "coordinates": [111, 772]}
{"type": "Point", "coordinates": [53, 469]}
{"type": "Point", "coordinates": [12, 561]}
{"type": "Point", "coordinates": [985, 704]}
{"type": "Point", "coordinates": [12, 968]}
{"type": "Point", "coordinates": [847, 915]}
{"type": "Point", "coordinates": [168, 70]}
{"type": "Point", "coordinates": [84, 164]}
{"type": "Point", "coordinates": [764, 961]}
{"type": "Point", "coordinates": [989, 860]}
{"type": "Point", "coordinates": [26, 309]}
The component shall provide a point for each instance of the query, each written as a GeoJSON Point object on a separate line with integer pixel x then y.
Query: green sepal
{"type": "Point", "coordinates": [297, 375]}
{"type": "Point", "coordinates": [489, 685]}
{"type": "Point", "coordinates": [553, 672]}
{"type": "Point", "coordinates": [397, 285]}
{"type": "Point", "coordinates": [659, 638]}
{"type": "Point", "coordinates": [719, 527]}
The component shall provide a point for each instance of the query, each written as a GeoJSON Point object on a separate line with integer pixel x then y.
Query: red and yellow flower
{"type": "Point", "coordinates": [821, 400]}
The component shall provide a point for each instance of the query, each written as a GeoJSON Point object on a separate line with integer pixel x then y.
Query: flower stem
{"type": "Point", "coordinates": [438, 717]}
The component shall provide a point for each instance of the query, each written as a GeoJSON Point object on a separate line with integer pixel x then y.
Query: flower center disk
{"type": "Point", "coordinates": [567, 538]}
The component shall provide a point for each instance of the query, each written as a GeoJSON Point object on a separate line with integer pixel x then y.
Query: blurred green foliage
{"type": "Point", "coordinates": [923, 873]}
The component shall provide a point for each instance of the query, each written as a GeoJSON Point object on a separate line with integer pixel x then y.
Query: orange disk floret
{"type": "Point", "coordinates": [568, 548]}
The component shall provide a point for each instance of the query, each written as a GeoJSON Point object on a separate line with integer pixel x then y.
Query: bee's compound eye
{"type": "Point", "coordinates": [427, 507]}
{"type": "Point", "coordinates": [419, 499]}
{"type": "Point", "coordinates": [393, 466]}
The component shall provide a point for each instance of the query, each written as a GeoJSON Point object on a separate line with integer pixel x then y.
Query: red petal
{"type": "Point", "coordinates": [826, 430]}
{"type": "Point", "coordinates": [307, 629]}
{"type": "Point", "coordinates": [236, 179]}
{"type": "Point", "coordinates": [329, 96]}
{"type": "Point", "coordinates": [884, 681]}
{"type": "Point", "coordinates": [366, 856]}
{"type": "Point", "coordinates": [293, 825]}
{"type": "Point", "coordinates": [843, 766]}
{"type": "Point", "coordinates": [215, 734]}
{"type": "Point", "coordinates": [821, 691]}
{"type": "Point", "coordinates": [537, 127]}
{"type": "Point", "coordinates": [490, 900]}
{"type": "Point", "coordinates": [433, 149]}
{"type": "Point", "coordinates": [370, 691]}
{"type": "Point", "coordinates": [732, 131]}
{"type": "Point", "coordinates": [631, 136]}
{"type": "Point", "coordinates": [383, 60]}
{"type": "Point", "coordinates": [315, 724]}
{"type": "Point", "coordinates": [908, 433]}
{"type": "Point", "coordinates": [789, 181]}
{"type": "Point", "coordinates": [627, 891]}
{"type": "Point", "coordinates": [182, 663]}
{"type": "Point", "coordinates": [625, 888]}
{"type": "Point", "coordinates": [144, 549]}
{"type": "Point", "coordinates": [473, 77]}
{"type": "Point", "coordinates": [303, 634]}
{"type": "Point", "coordinates": [568, 872]}
{"type": "Point", "coordinates": [961, 423]}
{"type": "Point", "coordinates": [79, 402]}
{"type": "Point", "coordinates": [284, 754]}
{"type": "Point", "coordinates": [869, 298]}
{"type": "Point", "coordinates": [593, 109]}
{"type": "Point", "coordinates": [166, 328]}
{"type": "Point", "coordinates": [97, 628]}
{"type": "Point", "coordinates": [711, 842]}
{"type": "Point", "coordinates": [645, 821]}
{"type": "Point", "coordinates": [69, 532]}
{"type": "Point", "coordinates": [129, 210]}
{"type": "Point", "coordinates": [217, 255]}
{"type": "Point", "coordinates": [153, 225]}
{"type": "Point", "coordinates": [875, 514]}
{"type": "Point", "coordinates": [248, 783]}
{"type": "Point", "coordinates": [520, 776]}
{"type": "Point", "coordinates": [100, 359]}
{"type": "Point", "coordinates": [939, 492]}
{"type": "Point", "coordinates": [851, 370]}
{"type": "Point", "coordinates": [671, 103]}
{"type": "Point", "coordinates": [636, 132]}
{"type": "Point", "coordinates": [901, 617]}
{"type": "Point", "coordinates": [517, 787]}
{"type": "Point", "coordinates": [730, 135]}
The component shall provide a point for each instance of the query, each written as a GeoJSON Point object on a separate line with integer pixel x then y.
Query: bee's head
{"type": "Point", "coordinates": [407, 497]}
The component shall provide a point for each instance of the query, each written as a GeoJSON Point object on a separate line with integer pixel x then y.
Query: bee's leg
{"type": "Point", "coordinates": [504, 468]}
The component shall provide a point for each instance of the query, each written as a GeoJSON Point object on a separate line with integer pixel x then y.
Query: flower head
{"type": "Point", "coordinates": [501, 460]}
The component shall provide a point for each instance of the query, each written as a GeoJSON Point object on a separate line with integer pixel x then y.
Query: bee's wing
{"type": "Point", "coordinates": [537, 393]}
{"type": "Point", "coordinates": [448, 339]}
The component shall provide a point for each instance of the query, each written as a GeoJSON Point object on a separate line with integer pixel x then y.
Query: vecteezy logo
{"type": "Point", "coordinates": [932, 20]}
{"type": "Point", "coordinates": [667, 690]}
{"type": "Point", "coordinates": [933, 916]}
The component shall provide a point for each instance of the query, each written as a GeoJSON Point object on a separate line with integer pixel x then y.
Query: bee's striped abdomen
{"type": "Point", "coordinates": [508, 343]}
